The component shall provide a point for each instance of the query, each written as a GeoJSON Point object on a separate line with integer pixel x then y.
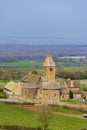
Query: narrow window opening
{"type": "Point", "coordinates": [51, 69]}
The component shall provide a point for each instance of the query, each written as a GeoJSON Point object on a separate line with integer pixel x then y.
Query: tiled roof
{"type": "Point", "coordinates": [29, 85]}
{"type": "Point", "coordinates": [31, 78]}
{"type": "Point", "coordinates": [71, 83]}
{"type": "Point", "coordinates": [43, 78]}
{"type": "Point", "coordinates": [76, 92]}
{"type": "Point", "coordinates": [12, 87]}
{"type": "Point", "coordinates": [52, 86]}
{"type": "Point", "coordinates": [63, 85]}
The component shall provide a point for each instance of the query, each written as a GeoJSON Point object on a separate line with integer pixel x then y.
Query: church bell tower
{"type": "Point", "coordinates": [49, 68]}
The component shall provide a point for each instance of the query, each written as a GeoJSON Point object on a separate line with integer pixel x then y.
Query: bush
{"type": "Point", "coordinates": [3, 95]}
{"type": "Point", "coordinates": [71, 74]}
{"type": "Point", "coordinates": [1, 90]}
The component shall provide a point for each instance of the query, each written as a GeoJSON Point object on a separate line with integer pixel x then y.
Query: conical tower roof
{"type": "Point", "coordinates": [49, 61]}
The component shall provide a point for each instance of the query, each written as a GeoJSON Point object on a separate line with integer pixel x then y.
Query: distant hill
{"type": "Point", "coordinates": [17, 52]}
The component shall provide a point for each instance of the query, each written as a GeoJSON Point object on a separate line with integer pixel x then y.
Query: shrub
{"type": "Point", "coordinates": [3, 95]}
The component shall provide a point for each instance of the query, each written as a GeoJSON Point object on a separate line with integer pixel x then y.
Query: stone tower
{"type": "Point", "coordinates": [49, 68]}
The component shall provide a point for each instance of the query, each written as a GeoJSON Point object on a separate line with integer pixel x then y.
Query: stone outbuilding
{"type": "Point", "coordinates": [12, 88]}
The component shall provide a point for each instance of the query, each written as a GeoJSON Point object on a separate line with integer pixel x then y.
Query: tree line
{"type": "Point", "coordinates": [18, 74]}
{"type": "Point", "coordinates": [75, 75]}
{"type": "Point", "coordinates": [11, 74]}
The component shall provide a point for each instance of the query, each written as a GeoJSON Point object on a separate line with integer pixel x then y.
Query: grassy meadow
{"type": "Point", "coordinates": [12, 115]}
{"type": "Point", "coordinates": [83, 84]}
{"type": "Point", "coordinates": [26, 65]}
{"type": "Point", "coordinates": [22, 65]}
{"type": "Point", "coordinates": [79, 68]}
{"type": "Point", "coordinates": [66, 110]}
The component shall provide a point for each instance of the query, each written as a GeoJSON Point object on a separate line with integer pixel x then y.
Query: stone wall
{"type": "Point", "coordinates": [79, 106]}
{"type": "Point", "coordinates": [51, 96]}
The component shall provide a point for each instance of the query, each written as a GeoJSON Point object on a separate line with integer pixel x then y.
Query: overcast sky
{"type": "Point", "coordinates": [44, 18]}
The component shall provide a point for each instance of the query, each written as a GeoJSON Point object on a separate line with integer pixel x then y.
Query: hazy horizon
{"type": "Point", "coordinates": [42, 41]}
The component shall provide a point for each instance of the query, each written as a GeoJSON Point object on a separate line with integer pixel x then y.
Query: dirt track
{"type": "Point", "coordinates": [38, 108]}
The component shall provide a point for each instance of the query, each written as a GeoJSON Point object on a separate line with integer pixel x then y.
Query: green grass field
{"type": "Point", "coordinates": [80, 68]}
{"type": "Point", "coordinates": [26, 65]}
{"type": "Point", "coordinates": [66, 110]}
{"type": "Point", "coordinates": [83, 84]}
{"type": "Point", "coordinates": [22, 65]}
{"type": "Point", "coordinates": [12, 115]}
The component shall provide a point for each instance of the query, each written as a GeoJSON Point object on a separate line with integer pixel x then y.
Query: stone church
{"type": "Point", "coordinates": [44, 89]}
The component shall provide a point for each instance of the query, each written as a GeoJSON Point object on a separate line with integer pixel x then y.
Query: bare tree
{"type": "Point", "coordinates": [44, 116]}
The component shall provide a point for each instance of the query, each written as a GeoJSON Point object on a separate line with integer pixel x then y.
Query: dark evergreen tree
{"type": "Point", "coordinates": [70, 94]}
